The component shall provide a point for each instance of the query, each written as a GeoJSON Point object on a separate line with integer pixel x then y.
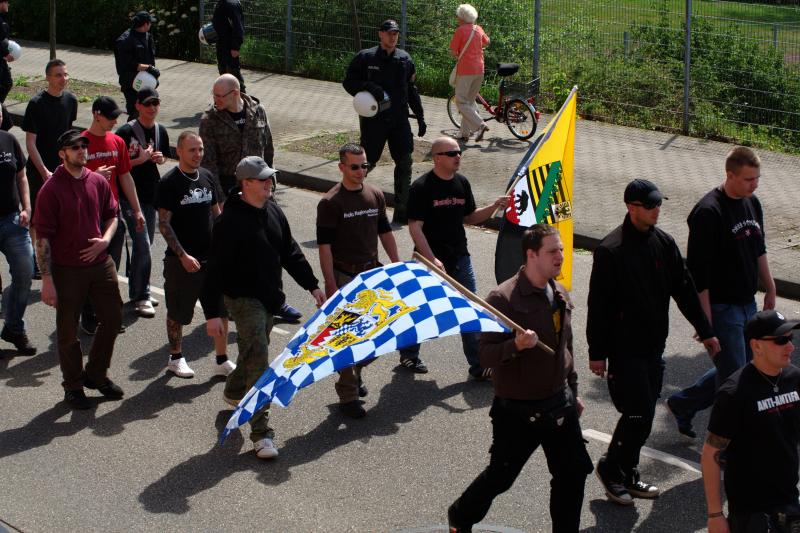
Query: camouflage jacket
{"type": "Point", "coordinates": [225, 145]}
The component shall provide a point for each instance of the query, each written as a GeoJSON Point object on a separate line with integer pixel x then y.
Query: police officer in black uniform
{"type": "Point", "coordinates": [135, 51]}
{"type": "Point", "coordinates": [5, 71]}
{"type": "Point", "coordinates": [387, 69]}
{"type": "Point", "coordinates": [229, 24]}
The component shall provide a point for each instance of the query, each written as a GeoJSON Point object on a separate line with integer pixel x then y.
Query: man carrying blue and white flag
{"type": "Point", "coordinates": [379, 311]}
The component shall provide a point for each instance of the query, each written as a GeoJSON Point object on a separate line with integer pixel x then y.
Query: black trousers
{"type": "Point", "coordinates": [5, 80]}
{"type": "Point", "coordinates": [227, 64]}
{"type": "Point", "coordinates": [634, 384]}
{"type": "Point", "coordinates": [375, 134]}
{"type": "Point", "coordinates": [515, 438]}
{"type": "Point", "coordinates": [130, 102]}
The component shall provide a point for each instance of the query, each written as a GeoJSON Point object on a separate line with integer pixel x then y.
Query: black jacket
{"type": "Point", "coordinates": [395, 73]}
{"type": "Point", "coordinates": [5, 34]}
{"type": "Point", "coordinates": [229, 24]}
{"type": "Point", "coordinates": [633, 276]}
{"type": "Point", "coordinates": [131, 49]}
{"type": "Point", "coordinates": [249, 246]}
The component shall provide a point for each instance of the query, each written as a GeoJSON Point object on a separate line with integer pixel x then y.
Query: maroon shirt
{"type": "Point", "coordinates": [69, 211]}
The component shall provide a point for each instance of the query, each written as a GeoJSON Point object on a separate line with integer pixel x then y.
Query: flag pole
{"type": "Point", "coordinates": [477, 299]}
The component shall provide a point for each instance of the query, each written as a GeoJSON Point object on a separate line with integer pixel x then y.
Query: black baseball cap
{"type": "Point", "coordinates": [389, 25]}
{"type": "Point", "coordinates": [106, 106]}
{"type": "Point", "coordinates": [769, 324]}
{"type": "Point", "coordinates": [643, 191]}
{"type": "Point", "coordinates": [71, 138]}
{"type": "Point", "coordinates": [141, 17]}
{"type": "Point", "coordinates": [146, 95]}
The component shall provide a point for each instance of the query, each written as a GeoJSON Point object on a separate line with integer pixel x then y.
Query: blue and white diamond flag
{"type": "Point", "coordinates": [379, 311]}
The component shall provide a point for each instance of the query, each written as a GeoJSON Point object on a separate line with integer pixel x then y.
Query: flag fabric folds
{"type": "Point", "coordinates": [540, 191]}
{"type": "Point", "coordinates": [379, 311]}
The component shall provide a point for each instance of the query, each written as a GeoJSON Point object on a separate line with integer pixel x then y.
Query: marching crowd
{"type": "Point", "coordinates": [78, 192]}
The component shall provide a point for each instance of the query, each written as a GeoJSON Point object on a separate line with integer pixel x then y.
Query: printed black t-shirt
{"type": "Point", "coordinates": [190, 201]}
{"type": "Point", "coordinates": [761, 469]}
{"type": "Point", "coordinates": [238, 118]}
{"type": "Point", "coordinates": [12, 160]}
{"type": "Point", "coordinates": [146, 175]}
{"type": "Point", "coordinates": [441, 205]}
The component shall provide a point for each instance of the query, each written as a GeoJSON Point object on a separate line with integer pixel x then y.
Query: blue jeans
{"type": "Point", "coordinates": [728, 321]}
{"type": "Point", "coordinates": [139, 266]}
{"type": "Point", "coordinates": [15, 243]}
{"type": "Point", "coordinates": [463, 274]}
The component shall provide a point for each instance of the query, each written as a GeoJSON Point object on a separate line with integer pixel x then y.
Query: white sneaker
{"type": "Point", "coordinates": [144, 308]}
{"type": "Point", "coordinates": [180, 368]}
{"type": "Point", "coordinates": [225, 368]}
{"type": "Point", "coordinates": [265, 449]}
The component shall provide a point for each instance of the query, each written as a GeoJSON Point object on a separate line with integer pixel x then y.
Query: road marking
{"type": "Point", "coordinates": [160, 292]}
{"type": "Point", "coordinates": [664, 457]}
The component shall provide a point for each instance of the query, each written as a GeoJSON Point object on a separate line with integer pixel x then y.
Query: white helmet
{"type": "Point", "coordinates": [144, 80]}
{"type": "Point", "coordinates": [365, 104]}
{"type": "Point", "coordinates": [14, 49]}
{"type": "Point", "coordinates": [207, 34]}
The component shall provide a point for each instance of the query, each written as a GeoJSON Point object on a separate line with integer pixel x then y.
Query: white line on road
{"type": "Point", "coordinates": [664, 457]}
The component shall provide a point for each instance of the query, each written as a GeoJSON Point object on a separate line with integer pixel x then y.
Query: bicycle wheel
{"type": "Point", "coordinates": [453, 112]}
{"type": "Point", "coordinates": [520, 118]}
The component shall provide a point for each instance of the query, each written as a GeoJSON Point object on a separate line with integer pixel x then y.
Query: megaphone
{"type": "Point", "coordinates": [207, 34]}
{"type": "Point", "coordinates": [14, 49]}
{"type": "Point", "coordinates": [144, 80]}
{"type": "Point", "coordinates": [366, 105]}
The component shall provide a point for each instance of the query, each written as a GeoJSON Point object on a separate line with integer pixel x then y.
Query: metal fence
{"type": "Point", "coordinates": [716, 69]}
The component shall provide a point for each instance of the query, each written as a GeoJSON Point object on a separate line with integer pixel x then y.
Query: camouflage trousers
{"type": "Point", "coordinates": [253, 326]}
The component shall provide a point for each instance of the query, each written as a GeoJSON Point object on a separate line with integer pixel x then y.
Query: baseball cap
{"type": "Point", "coordinates": [106, 106]}
{"type": "Point", "coordinates": [389, 25]}
{"type": "Point", "coordinates": [146, 95]}
{"type": "Point", "coordinates": [141, 17]}
{"type": "Point", "coordinates": [769, 324]}
{"type": "Point", "coordinates": [71, 138]}
{"type": "Point", "coordinates": [253, 167]}
{"type": "Point", "coordinates": [643, 191]}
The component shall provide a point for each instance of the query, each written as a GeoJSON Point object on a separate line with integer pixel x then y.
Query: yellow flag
{"type": "Point", "coordinates": [541, 192]}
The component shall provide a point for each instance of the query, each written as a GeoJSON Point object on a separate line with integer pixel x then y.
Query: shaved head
{"type": "Point", "coordinates": [443, 144]}
{"type": "Point", "coordinates": [227, 82]}
{"type": "Point", "coordinates": [227, 94]}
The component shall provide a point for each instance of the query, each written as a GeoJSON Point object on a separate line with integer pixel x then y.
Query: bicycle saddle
{"type": "Point", "coordinates": [507, 69]}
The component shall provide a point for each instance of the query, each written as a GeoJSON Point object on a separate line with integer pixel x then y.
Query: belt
{"type": "Point", "coordinates": [550, 407]}
{"type": "Point", "coordinates": [354, 268]}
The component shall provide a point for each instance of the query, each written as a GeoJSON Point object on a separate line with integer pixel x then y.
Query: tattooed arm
{"type": "Point", "coordinates": [43, 255]}
{"type": "Point", "coordinates": [190, 264]}
{"type": "Point", "coordinates": [710, 461]}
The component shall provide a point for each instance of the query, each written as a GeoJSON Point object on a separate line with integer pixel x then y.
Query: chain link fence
{"type": "Point", "coordinates": [737, 80]}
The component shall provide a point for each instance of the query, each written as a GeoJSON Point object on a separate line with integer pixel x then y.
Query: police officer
{"type": "Point", "coordinates": [134, 52]}
{"type": "Point", "coordinates": [5, 71]}
{"type": "Point", "coordinates": [229, 25]}
{"type": "Point", "coordinates": [387, 69]}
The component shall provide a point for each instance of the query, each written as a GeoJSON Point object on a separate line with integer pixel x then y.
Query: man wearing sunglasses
{"type": "Point", "coordinates": [147, 142]}
{"type": "Point", "coordinates": [755, 421]}
{"type": "Point", "coordinates": [440, 202]}
{"type": "Point", "coordinates": [75, 221]}
{"type": "Point", "coordinates": [637, 268]}
{"type": "Point", "coordinates": [351, 218]}
{"type": "Point", "coordinates": [727, 256]}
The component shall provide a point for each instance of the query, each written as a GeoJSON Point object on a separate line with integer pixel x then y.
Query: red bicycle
{"type": "Point", "coordinates": [515, 104]}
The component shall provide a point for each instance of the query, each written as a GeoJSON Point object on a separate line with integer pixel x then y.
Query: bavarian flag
{"type": "Point", "coordinates": [540, 191]}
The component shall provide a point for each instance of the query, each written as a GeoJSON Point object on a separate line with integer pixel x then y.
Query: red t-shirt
{"type": "Point", "coordinates": [69, 211]}
{"type": "Point", "coordinates": [106, 151]}
{"type": "Point", "coordinates": [472, 61]}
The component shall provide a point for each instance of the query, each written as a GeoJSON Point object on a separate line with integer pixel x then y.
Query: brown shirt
{"type": "Point", "coordinates": [530, 374]}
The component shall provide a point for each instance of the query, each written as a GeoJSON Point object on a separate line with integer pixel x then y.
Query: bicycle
{"type": "Point", "coordinates": [515, 104]}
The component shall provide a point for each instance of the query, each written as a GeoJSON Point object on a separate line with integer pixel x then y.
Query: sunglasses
{"type": "Point", "coordinates": [152, 103]}
{"type": "Point", "coordinates": [783, 340]}
{"type": "Point", "coordinates": [450, 153]}
{"type": "Point", "coordinates": [648, 205]}
{"type": "Point", "coordinates": [77, 147]}
{"type": "Point", "coordinates": [355, 167]}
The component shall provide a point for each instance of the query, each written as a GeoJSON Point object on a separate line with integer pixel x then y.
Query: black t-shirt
{"type": "Point", "coordinates": [238, 118]}
{"type": "Point", "coordinates": [442, 205]}
{"type": "Point", "coordinates": [190, 201]}
{"type": "Point", "coordinates": [146, 175]}
{"type": "Point", "coordinates": [761, 469]}
{"type": "Point", "coordinates": [48, 117]}
{"type": "Point", "coordinates": [12, 161]}
{"type": "Point", "coordinates": [726, 238]}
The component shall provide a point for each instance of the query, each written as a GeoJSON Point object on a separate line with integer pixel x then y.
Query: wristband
{"type": "Point", "coordinates": [716, 515]}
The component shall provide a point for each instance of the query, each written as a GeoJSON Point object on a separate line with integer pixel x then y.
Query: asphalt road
{"type": "Point", "coordinates": [151, 463]}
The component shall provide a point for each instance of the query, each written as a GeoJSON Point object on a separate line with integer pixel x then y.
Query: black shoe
{"type": "Point", "coordinates": [289, 313]}
{"type": "Point", "coordinates": [612, 482]}
{"type": "Point", "coordinates": [362, 389]}
{"type": "Point", "coordinates": [19, 340]}
{"type": "Point", "coordinates": [684, 421]}
{"type": "Point", "coordinates": [639, 489]}
{"type": "Point", "coordinates": [451, 523]}
{"type": "Point", "coordinates": [415, 365]}
{"type": "Point", "coordinates": [121, 329]}
{"type": "Point", "coordinates": [109, 389]}
{"type": "Point", "coordinates": [481, 374]}
{"type": "Point", "coordinates": [77, 399]}
{"type": "Point", "coordinates": [353, 409]}
{"type": "Point", "coordinates": [89, 324]}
